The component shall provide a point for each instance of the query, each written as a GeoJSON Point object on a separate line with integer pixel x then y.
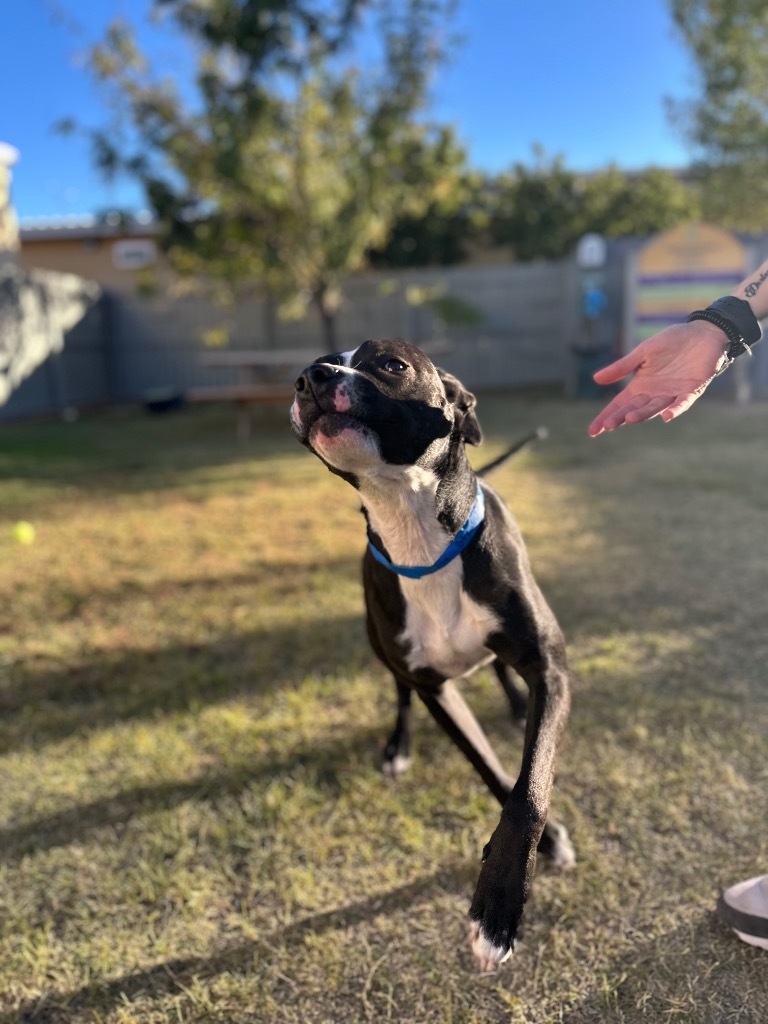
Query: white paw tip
{"type": "Point", "coordinates": [397, 765]}
{"type": "Point", "coordinates": [489, 956]}
{"type": "Point", "coordinates": [566, 857]}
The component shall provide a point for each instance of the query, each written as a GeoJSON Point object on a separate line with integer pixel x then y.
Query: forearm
{"type": "Point", "coordinates": [754, 290]}
{"type": "Point", "coordinates": [737, 316]}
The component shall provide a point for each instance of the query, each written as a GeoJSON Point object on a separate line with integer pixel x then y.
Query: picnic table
{"type": "Point", "coordinates": [256, 369]}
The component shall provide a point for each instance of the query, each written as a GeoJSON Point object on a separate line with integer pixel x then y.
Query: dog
{"type": "Point", "coordinates": [448, 589]}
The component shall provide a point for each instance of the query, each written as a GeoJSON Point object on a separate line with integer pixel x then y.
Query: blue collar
{"type": "Point", "coordinates": [457, 545]}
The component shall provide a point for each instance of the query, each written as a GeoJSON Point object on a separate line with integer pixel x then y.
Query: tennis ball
{"type": "Point", "coordinates": [24, 533]}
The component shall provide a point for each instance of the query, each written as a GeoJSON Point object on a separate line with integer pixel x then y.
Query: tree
{"type": "Point", "coordinates": [537, 209]}
{"type": "Point", "coordinates": [540, 211]}
{"type": "Point", "coordinates": [617, 203]}
{"type": "Point", "coordinates": [452, 227]}
{"type": "Point", "coordinates": [290, 163]}
{"type": "Point", "coordinates": [727, 123]}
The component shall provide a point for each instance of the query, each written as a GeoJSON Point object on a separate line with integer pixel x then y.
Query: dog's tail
{"type": "Point", "coordinates": [539, 434]}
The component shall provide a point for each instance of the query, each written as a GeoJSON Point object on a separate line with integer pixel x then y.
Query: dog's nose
{"type": "Point", "coordinates": [317, 373]}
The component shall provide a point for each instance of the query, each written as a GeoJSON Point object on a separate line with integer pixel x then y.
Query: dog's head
{"type": "Point", "coordinates": [381, 406]}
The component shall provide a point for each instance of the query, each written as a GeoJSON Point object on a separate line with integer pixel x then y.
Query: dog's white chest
{"type": "Point", "coordinates": [445, 629]}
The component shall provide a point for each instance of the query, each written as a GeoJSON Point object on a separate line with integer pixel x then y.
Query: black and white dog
{"type": "Point", "coordinates": [448, 588]}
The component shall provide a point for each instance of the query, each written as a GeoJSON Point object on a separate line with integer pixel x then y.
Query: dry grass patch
{"type": "Point", "coordinates": [192, 824]}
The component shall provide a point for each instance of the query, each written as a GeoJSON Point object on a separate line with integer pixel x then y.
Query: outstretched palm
{"type": "Point", "coordinates": [672, 370]}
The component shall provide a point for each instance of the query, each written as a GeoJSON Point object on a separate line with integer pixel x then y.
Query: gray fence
{"type": "Point", "coordinates": [127, 345]}
{"type": "Point", "coordinates": [528, 330]}
{"type": "Point", "coordinates": [519, 338]}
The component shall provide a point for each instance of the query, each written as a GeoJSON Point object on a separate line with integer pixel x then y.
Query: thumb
{"type": "Point", "coordinates": [620, 369]}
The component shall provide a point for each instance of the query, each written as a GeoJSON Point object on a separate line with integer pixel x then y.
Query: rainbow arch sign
{"type": "Point", "coordinates": [680, 270]}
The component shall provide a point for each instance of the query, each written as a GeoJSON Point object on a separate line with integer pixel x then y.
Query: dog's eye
{"type": "Point", "coordinates": [395, 366]}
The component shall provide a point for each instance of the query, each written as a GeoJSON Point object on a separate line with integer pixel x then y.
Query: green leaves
{"type": "Point", "coordinates": [289, 164]}
{"type": "Point", "coordinates": [542, 210]}
{"type": "Point", "coordinates": [727, 123]}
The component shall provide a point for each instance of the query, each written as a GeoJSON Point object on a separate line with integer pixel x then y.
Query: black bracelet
{"type": "Point", "coordinates": [739, 312]}
{"type": "Point", "coordinates": [729, 329]}
{"type": "Point", "coordinates": [736, 320]}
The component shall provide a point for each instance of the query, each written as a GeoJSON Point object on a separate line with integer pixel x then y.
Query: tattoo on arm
{"type": "Point", "coordinates": [754, 286]}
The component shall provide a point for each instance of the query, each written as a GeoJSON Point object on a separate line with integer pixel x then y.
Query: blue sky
{"type": "Point", "coordinates": [586, 80]}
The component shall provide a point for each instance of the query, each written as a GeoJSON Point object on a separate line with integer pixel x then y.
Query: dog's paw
{"type": "Point", "coordinates": [487, 954]}
{"type": "Point", "coordinates": [501, 892]}
{"type": "Point", "coordinates": [396, 765]}
{"type": "Point", "coordinates": [555, 844]}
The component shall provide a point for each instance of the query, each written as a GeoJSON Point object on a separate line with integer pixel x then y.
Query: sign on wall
{"type": "Point", "coordinates": [680, 270]}
{"type": "Point", "coordinates": [591, 252]}
{"type": "Point", "coordinates": [134, 253]}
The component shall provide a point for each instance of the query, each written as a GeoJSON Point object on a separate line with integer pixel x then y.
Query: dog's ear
{"type": "Point", "coordinates": [464, 403]}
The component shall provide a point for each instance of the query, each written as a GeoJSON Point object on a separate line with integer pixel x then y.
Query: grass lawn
{"type": "Point", "coordinates": [192, 823]}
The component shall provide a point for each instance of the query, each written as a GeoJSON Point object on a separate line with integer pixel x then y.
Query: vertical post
{"type": "Point", "coordinates": [243, 421]}
{"type": "Point", "coordinates": [270, 333]}
{"type": "Point", "coordinates": [109, 339]}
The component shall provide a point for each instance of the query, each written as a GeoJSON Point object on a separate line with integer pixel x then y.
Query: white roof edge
{"type": "Point", "coordinates": [82, 226]}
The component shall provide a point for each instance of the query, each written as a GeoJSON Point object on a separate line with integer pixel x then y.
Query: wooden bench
{"type": "Point", "coordinates": [243, 397]}
{"type": "Point", "coordinates": [252, 367]}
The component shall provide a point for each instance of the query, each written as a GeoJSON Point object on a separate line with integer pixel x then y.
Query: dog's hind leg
{"type": "Point", "coordinates": [397, 752]}
{"type": "Point", "coordinates": [450, 711]}
{"type": "Point", "coordinates": [518, 701]}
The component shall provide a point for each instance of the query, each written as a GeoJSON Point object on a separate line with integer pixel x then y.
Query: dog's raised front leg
{"type": "Point", "coordinates": [510, 856]}
{"type": "Point", "coordinates": [554, 842]}
{"type": "Point", "coordinates": [397, 752]}
{"type": "Point", "coordinates": [451, 711]}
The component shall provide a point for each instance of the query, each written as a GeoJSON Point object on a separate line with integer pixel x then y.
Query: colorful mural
{"type": "Point", "coordinates": [681, 270]}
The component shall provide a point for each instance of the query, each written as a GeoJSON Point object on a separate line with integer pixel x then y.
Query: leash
{"type": "Point", "coordinates": [539, 434]}
{"type": "Point", "coordinates": [457, 545]}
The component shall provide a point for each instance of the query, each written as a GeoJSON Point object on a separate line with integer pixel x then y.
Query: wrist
{"type": "Point", "coordinates": [734, 318]}
{"type": "Point", "coordinates": [718, 335]}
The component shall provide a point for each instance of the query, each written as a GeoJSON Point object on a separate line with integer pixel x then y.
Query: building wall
{"type": "Point", "coordinates": [90, 256]}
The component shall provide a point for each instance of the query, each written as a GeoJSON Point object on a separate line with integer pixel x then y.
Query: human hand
{"type": "Point", "coordinates": [672, 369]}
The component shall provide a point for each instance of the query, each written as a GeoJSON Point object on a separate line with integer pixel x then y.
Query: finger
{"type": "Point", "coordinates": [680, 406]}
{"type": "Point", "coordinates": [597, 426]}
{"type": "Point", "coordinates": [607, 419]}
{"type": "Point", "coordinates": [652, 408]}
{"type": "Point", "coordinates": [618, 370]}
{"type": "Point", "coordinates": [615, 414]}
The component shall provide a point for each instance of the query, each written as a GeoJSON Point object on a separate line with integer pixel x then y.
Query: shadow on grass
{"type": "Point", "coordinates": [328, 761]}
{"type": "Point", "coordinates": [39, 705]}
{"type": "Point", "coordinates": [174, 977]}
{"type": "Point", "coordinates": [65, 601]}
{"type": "Point", "coordinates": [698, 970]}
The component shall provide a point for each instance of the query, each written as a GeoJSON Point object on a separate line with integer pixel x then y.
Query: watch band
{"type": "Point", "coordinates": [739, 312]}
{"type": "Point", "coordinates": [736, 320]}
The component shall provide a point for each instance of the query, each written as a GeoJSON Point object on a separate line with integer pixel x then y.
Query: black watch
{"type": "Point", "coordinates": [737, 321]}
